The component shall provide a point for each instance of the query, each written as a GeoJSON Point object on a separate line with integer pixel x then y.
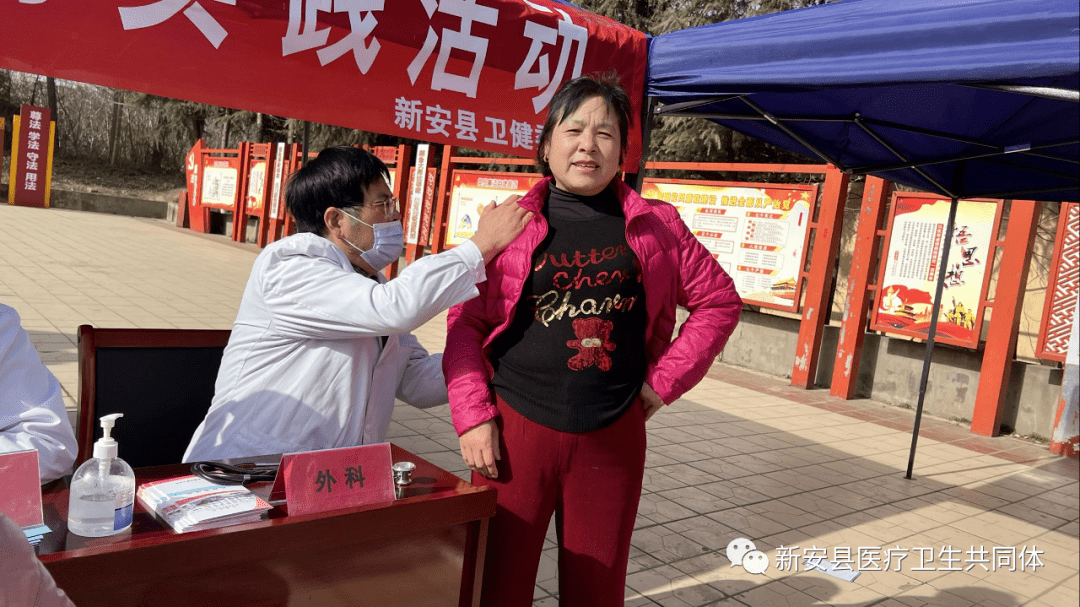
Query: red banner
{"type": "Point", "coordinates": [473, 73]}
{"type": "Point", "coordinates": [30, 163]}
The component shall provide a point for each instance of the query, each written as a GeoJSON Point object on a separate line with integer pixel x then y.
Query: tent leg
{"type": "Point", "coordinates": [636, 180]}
{"type": "Point", "coordinates": [935, 311]}
{"type": "Point", "coordinates": [307, 136]}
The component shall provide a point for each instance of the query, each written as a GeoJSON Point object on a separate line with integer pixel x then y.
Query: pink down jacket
{"type": "Point", "coordinates": [676, 269]}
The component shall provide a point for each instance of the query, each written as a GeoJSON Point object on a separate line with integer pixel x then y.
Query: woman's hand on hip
{"type": "Point", "coordinates": [480, 448]}
{"type": "Point", "coordinates": [650, 401]}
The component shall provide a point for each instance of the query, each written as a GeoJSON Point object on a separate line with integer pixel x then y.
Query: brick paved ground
{"type": "Point", "coordinates": [741, 455]}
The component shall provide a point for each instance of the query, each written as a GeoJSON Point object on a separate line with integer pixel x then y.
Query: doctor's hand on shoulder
{"type": "Point", "coordinates": [499, 226]}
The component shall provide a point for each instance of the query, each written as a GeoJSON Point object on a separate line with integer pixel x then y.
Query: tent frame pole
{"type": "Point", "coordinates": [307, 136]}
{"type": "Point", "coordinates": [999, 160]}
{"type": "Point", "coordinates": [670, 108]}
{"type": "Point", "coordinates": [1049, 92]}
{"type": "Point", "coordinates": [636, 180]}
{"type": "Point", "coordinates": [932, 333]}
{"type": "Point", "coordinates": [885, 144]}
{"type": "Point", "coordinates": [961, 158]}
{"type": "Point", "coordinates": [783, 127]}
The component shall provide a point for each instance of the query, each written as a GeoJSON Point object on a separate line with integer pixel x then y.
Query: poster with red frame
{"type": "Point", "coordinates": [220, 182]}
{"type": "Point", "coordinates": [908, 274]}
{"type": "Point", "coordinates": [256, 189]}
{"type": "Point", "coordinates": [757, 232]}
{"type": "Point", "coordinates": [471, 191]}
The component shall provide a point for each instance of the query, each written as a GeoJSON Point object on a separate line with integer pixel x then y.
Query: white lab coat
{"type": "Point", "coordinates": [32, 414]}
{"type": "Point", "coordinates": [304, 368]}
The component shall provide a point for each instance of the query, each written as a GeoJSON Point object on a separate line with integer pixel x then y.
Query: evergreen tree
{"type": "Point", "coordinates": [695, 139]}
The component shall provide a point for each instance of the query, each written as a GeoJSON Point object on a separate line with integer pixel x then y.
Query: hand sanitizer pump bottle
{"type": "Point", "coordinates": [102, 492]}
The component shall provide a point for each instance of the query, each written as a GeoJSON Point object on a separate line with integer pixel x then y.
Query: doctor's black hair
{"type": "Point", "coordinates": [337, 177]}
{"type": "Point", "coordinates": [571, 95]}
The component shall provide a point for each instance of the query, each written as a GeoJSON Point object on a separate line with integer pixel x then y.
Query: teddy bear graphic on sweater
{"type": "Point", "coordinates": [592, 344]}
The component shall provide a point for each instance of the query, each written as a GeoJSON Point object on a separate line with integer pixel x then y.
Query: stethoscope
{"type": "Point", "coordinates": [242, 474]}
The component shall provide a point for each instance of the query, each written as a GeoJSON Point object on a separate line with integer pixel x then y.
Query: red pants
{"type": "Point", "coordinates": [591, 481]}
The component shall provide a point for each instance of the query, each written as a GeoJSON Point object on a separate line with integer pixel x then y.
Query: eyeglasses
{"type": "Point", "coordinates": [385, 205]}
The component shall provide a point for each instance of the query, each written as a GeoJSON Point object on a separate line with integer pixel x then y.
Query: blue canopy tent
{"type": "Point", "coordinates": [966, 98]}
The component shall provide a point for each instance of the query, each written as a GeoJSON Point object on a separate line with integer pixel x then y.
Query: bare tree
{"type": "Point", "coordinates": [114, 126]}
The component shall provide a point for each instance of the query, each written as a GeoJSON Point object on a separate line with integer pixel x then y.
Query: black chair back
{"type": "Point", "coordinates": [162, 380]}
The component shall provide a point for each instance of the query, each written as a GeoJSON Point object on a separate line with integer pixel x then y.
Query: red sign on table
{"type": "Point", "coordinates": [332, 479]}
{"type": "Point", "coordinates": [473, 73]}
{"type": "Point", "coordinates": [21, 498]}
{"type": "Point", "coordinates": [30, 164]}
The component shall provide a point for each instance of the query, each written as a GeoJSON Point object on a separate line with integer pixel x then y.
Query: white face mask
{"type": "Point", "coordinates": [389, 242]}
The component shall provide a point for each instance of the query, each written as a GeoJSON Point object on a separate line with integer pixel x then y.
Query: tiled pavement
{"type": "Point", "coordinates": [741, 455]}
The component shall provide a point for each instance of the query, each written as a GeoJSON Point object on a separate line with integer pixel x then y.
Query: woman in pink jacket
{"type": "Point", "coordinates": [554, 369]}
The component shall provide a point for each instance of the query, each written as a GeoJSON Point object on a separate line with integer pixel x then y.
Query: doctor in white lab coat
{"type": "Point", "coordinates": [321, 344]}
{"type": "Point", "coordinates": [32, 414]}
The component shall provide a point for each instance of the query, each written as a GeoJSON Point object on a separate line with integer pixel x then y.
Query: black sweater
{"type": "Point", "coordinates": [573, 358]}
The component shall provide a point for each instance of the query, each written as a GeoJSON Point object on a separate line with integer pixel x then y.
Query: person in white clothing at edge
{"type": "Point", "coordinates": [321, 344]}
{"type": "Point", "coordinates": [32, 414]}
{"type": "Point", "coordinates": [24, 581]}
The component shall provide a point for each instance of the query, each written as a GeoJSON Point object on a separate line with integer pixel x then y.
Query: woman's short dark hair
{"type": "Point", "coordinates": [571, 95]}
{"type": "Point", "coordinates": [336, 178]}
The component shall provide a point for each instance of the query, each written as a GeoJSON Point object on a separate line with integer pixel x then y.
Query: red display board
{"type": "Point", "coordinates": [757, 232]}
{"type": "Point", "coordinates": [475, 73]}
{"type": "Point", "coordinates": [413, 208]}
{"type": "Point", "coordinates": [418, 217]}
{"type": "Point", "coordinates": [31, 158]}
{"type": "Point", "coordinates": [285, 160]}
{"type": "Point", "coordinates": [1061, 292]}
{"type": "Point", "coordinates": [192, 170]}
{"type": "Point", "coordinates": [908, 274]}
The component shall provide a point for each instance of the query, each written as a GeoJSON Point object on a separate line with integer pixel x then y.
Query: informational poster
{"type": "Point", "coordinates": [414, 211]}
{"type": "Point", "coordinates": [756, 232]}
{"type": "Point", "coordinates": [471, 191]}
{"type": "Point", "coordinates": [256, 189]}
{"type": "Point", "coordinates": [277, 194]}
{"type": "Point", "coordinates": [910, 270]}
{"type": "Point", "coordinates": [219, 184]}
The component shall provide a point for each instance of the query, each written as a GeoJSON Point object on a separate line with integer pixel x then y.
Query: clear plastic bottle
{"type": "Point", "coordinates": [102, 493]}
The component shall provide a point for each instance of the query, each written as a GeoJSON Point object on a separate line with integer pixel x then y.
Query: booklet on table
{"type": "Point", "coordinates": [190, 503]}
